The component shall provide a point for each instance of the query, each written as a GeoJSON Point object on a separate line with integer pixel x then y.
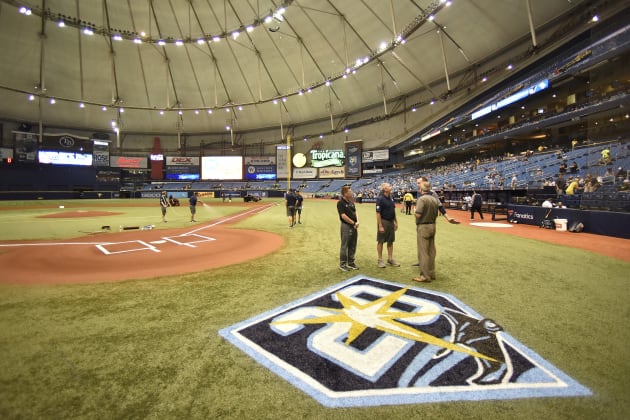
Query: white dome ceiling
{"type": "Point", "coordinates": [261, 76]}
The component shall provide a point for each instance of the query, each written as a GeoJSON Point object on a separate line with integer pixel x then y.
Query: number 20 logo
{"type": "Point", "coordinates": [328, 341]}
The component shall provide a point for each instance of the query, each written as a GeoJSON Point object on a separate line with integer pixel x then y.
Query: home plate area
{"type": "Point", "coordinates": [189, 240]}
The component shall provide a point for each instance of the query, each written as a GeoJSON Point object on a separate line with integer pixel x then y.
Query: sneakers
{"type": "Point", "coordinates": [422, 279]}
{"type": "Point", "coordinates": [343, 267]}
{"type": "Point", "coordinates": [352, 266]}
{"type": "Point", "coordinates": [393, 263]}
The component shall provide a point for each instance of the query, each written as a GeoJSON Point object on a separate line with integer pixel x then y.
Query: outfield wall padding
{"type": "Point", "coordinates": [606, 223]}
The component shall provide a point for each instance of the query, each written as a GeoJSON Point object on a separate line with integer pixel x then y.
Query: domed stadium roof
{"type": "Point", "coordinates": [196, 65]}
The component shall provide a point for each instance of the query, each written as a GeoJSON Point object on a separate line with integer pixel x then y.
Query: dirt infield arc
{"type": "Point", "coordinates": [137, 254]}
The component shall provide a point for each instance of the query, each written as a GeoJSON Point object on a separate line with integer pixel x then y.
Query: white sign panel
{"type": "Point", "coordinates": [375, 155]}
{"type": "Point", "coordinates": [260, 160]}
{"type": "Point", "coordinates": [282, 155]}
{"type": "Point", "coordinates": [332, 172]}
{"type": "Point", "coordinates": [304, 173]}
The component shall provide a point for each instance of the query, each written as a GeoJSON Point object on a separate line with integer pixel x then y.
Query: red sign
{"type": "Point", "coordinates": [128, 162]}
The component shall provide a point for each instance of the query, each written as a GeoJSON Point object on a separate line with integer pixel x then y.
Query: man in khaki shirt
{"type": "Point", "coordinates": [426, 214]}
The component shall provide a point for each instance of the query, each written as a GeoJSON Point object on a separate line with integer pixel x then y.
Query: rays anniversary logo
{"type": "Point", "coordinates": [367, 342]}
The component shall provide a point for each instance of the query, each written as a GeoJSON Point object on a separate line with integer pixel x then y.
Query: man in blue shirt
{"type": "Point", "coordinates": [192, 204]}
{"type": "Point", "coordinates": [387, 225]}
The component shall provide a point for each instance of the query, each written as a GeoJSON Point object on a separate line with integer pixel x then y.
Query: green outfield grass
{"type": "Point", "coordinates": [23, 219]}
{"type": "Point", "coordinates": [151, 348]}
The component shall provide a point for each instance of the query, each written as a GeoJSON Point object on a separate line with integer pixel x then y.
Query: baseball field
{"type": "Point", "coordinates": [107, 312]}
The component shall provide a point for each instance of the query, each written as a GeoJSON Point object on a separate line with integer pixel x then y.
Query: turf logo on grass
{"type": "Point", "coordinates": [368, 342]}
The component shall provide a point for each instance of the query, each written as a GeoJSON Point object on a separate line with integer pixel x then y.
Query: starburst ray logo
{"type": "Point", "coordinates": [371, 342]}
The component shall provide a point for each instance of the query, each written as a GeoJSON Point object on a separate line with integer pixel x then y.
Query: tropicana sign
{"type": "Point", "coordinates": [322, 158]}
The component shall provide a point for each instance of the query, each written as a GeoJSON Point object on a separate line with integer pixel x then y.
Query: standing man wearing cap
{"type": "Point", "coordinates": [290, 201]}
{"type": "Point", "coordinates": [426, 214]}
{"type": "Point", "coordinates": [441, 209]}
{"type": "Point", "coordinates": [192, 205]}
{"type": "Point", "coordinates": [298, 205]}
{"type": "Point", "coordinates": [349, 229]}
{"type": "Point", "coordinates": [163, 205]}
{"type": "Point", "coordinates": [387, 225]}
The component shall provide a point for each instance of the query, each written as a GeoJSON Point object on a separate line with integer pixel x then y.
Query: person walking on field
{"type": "Point", "coordinates": [290, 201]}
{"type": "Point", "coordinates": [298, 205]}
{"type": "Point", "coordinates": [349, 229]}
{"type": "Point", "coordinates": [386, 224]}
{"type": "Point", "coordinates": [426, 214]}
{"type": "Point", "coordinates": [163, 205]}
{"type": "Point", "coordinates": [408, 199]}
{"type": "Point", "coordinates": [192, 204]}
{"type": "Point", "coordinates": [475, 205]}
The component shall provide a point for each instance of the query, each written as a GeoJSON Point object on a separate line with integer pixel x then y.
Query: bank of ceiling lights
{"type": "Point", "coordinates": [270, 22]}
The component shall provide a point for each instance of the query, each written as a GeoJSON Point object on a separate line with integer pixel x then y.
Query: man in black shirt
{"type": "Point", "coordinates": [163, 205]}
{"type": "Point", "coordinates": [349, 229]}
{"type": "Point", "coordinates": [298, 205]}
{"type": "Point", "coordinates": [291, 201]}
{"type": "Point", "coordinates": [387, 225]}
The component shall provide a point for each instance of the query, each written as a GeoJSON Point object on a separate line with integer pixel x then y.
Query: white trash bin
{"type": "Point", "coordinates": [561, 224]}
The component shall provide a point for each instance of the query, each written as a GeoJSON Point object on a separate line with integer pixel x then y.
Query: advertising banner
{"type": "Point", "coordinates": [324, 158]}
{"type": "Point", "coordinates": [100, 158]}
{"type": "Point", "coordinates": [182, 161]}
{"type": "Point", "coordinates": [258, 172]}
{"type": "Point", "coordinates": [333, 172]}
{"type": "Point", "coordinates": [100, 155]}
{"type": "Point", "coordinates": [183, 170]}
{"type": "Point", "coordinates": [67, 143]}
{"type": "Point", "coordinates": [56, 157]}
{"type": "Point", "coordinates": [353, 158]}
{"type": "Point", "coordinates": [26, 147]}
{"type": "Point", "coordinates": [259, 160]}
{"type": "Point", "coordinates": [128, 162]}
{"type": "Point", "coordinates": [282, 154]}
{"type": "Point", "coordinates": [304, 173]}
{"type": "Point", "coordinates": [183, 173]}
{"type": "Point", "coordinates": [375, 155]}
{"type": "Point", "coordinates": [372, 171]}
